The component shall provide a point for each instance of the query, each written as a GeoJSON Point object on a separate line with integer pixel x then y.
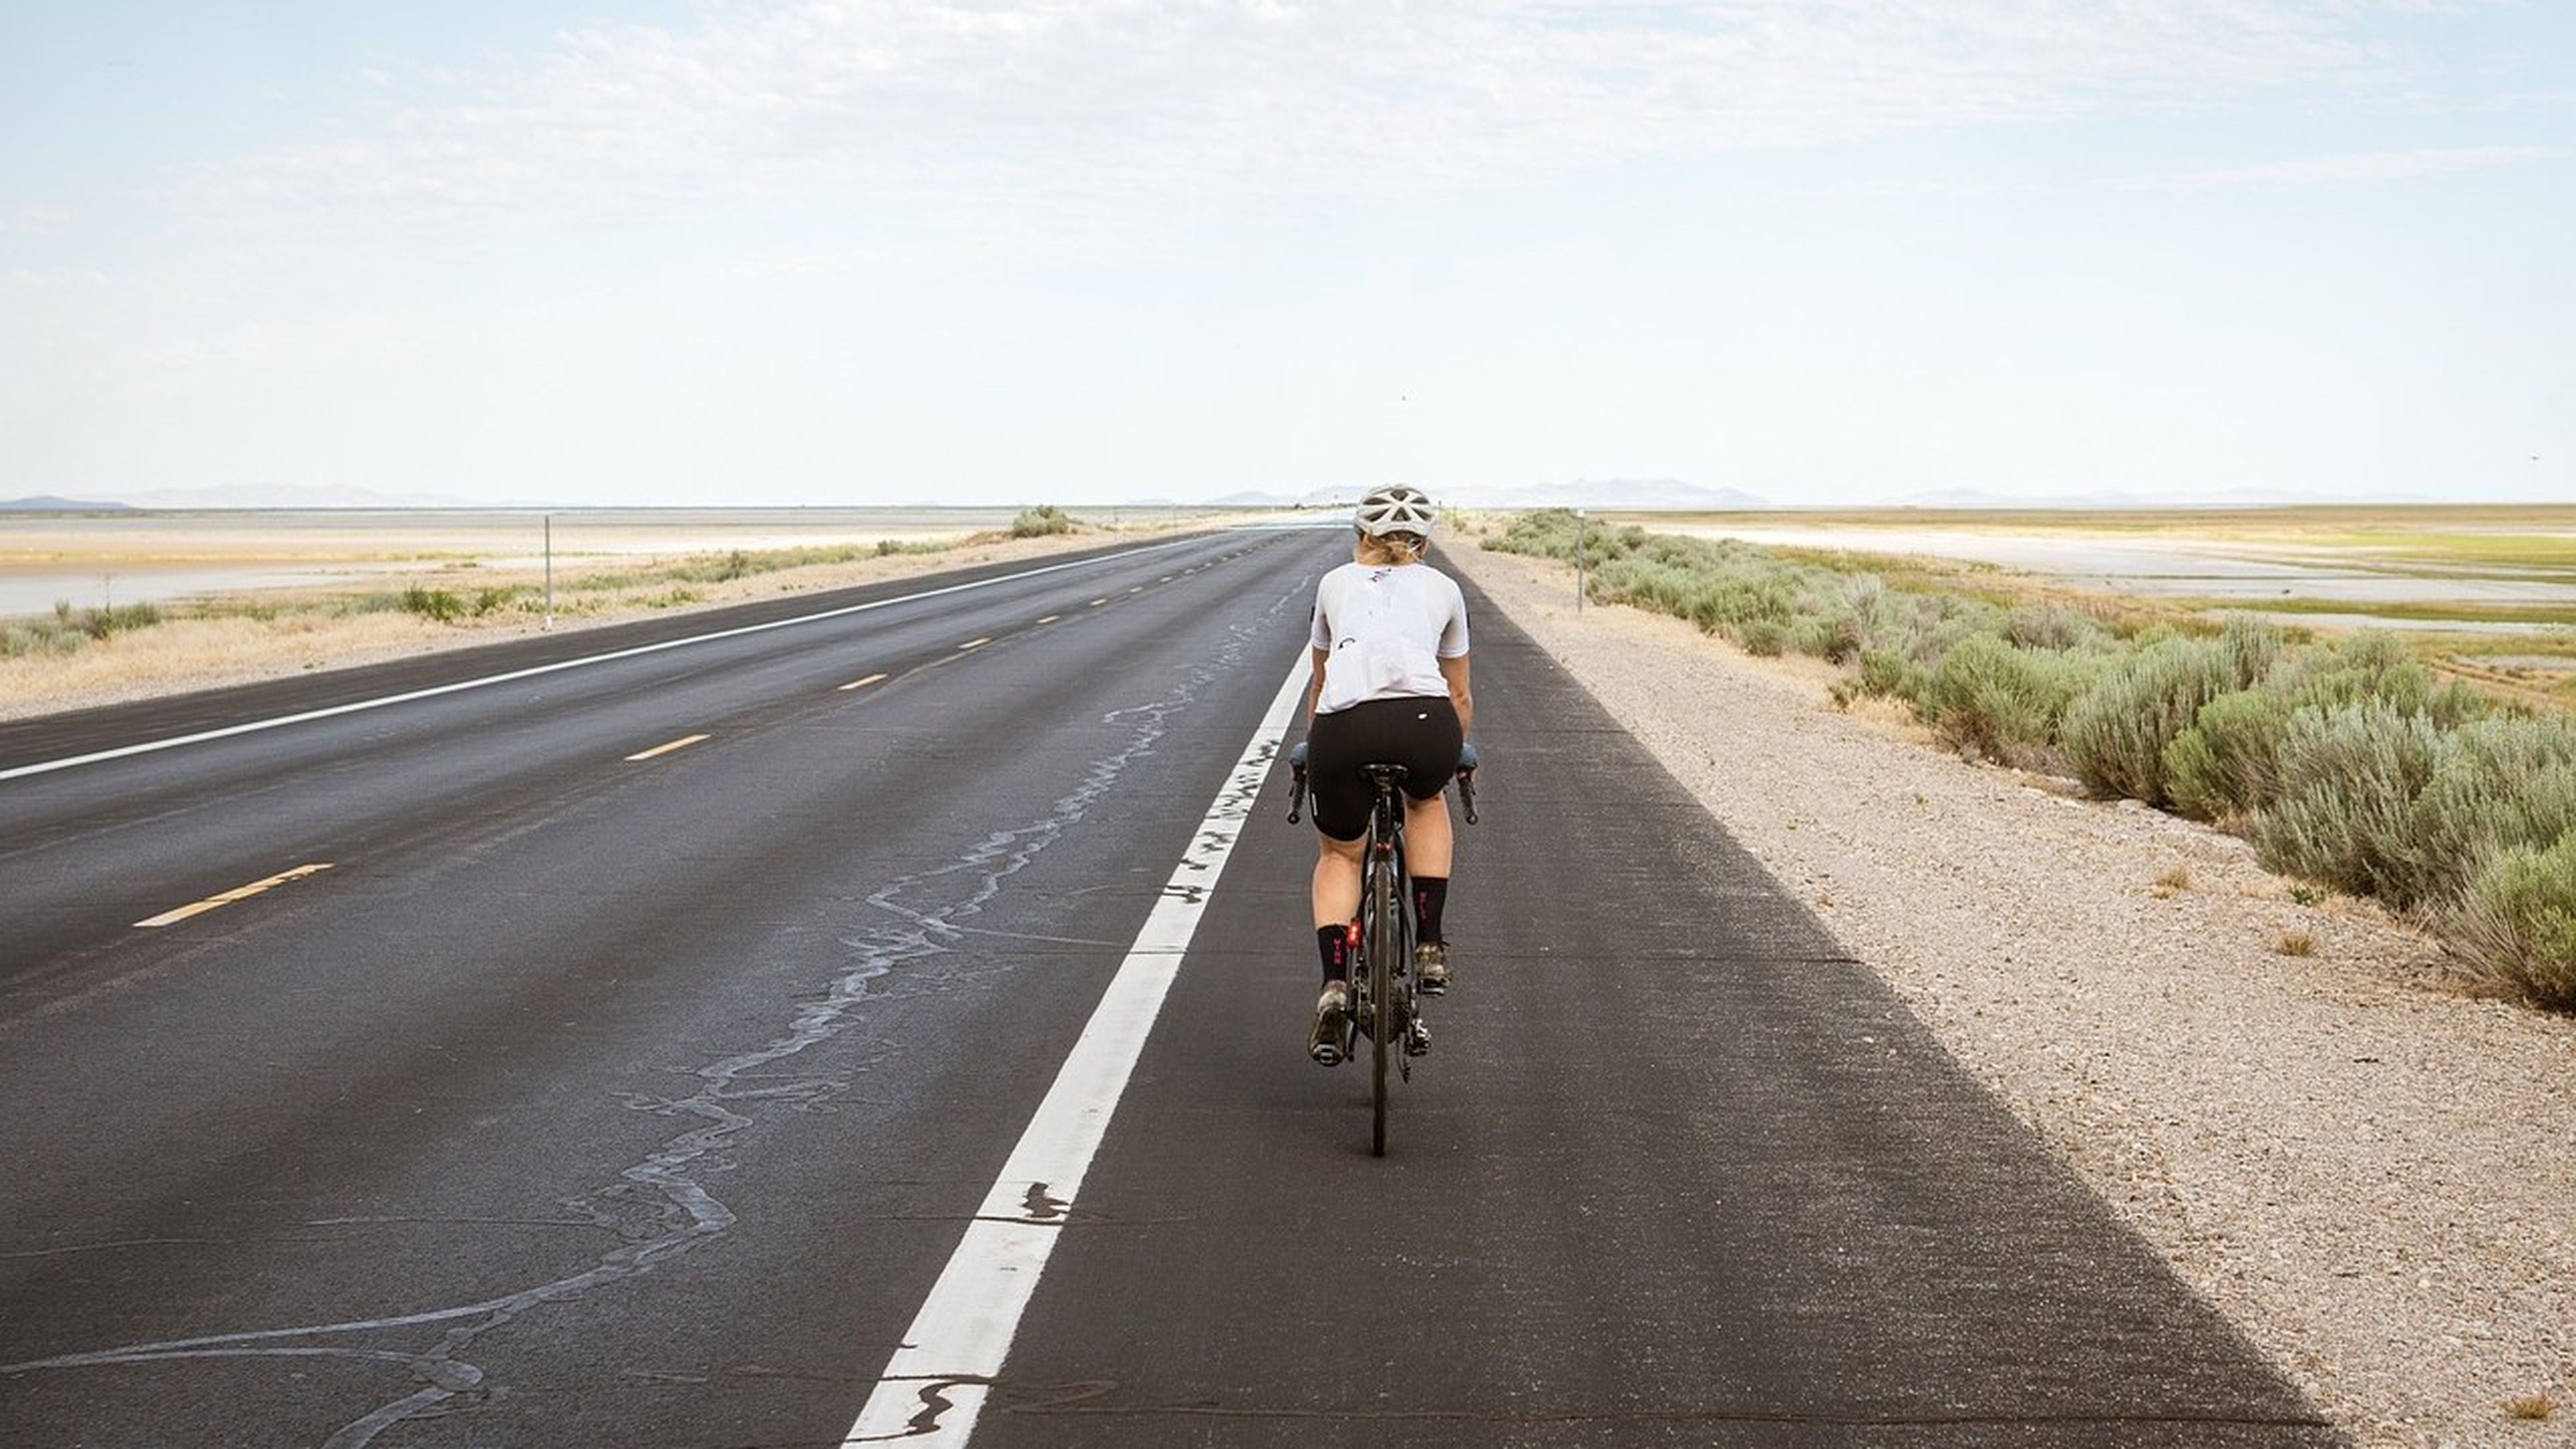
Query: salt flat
{"type": "Point", "coordinates": [95, 559]}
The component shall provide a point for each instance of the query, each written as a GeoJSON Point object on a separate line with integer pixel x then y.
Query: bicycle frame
{"type": "Point", "coordinates": [1385, 999]}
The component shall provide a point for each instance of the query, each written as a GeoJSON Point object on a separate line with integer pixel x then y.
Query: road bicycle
{"type": "Point", "coordinates": [1386, 1000]}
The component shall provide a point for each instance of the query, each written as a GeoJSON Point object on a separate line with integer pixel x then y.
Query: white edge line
{"type": "Point", "coordinates": [254, 726]}
{"type": "Point", "coordinates": [957, 1343]}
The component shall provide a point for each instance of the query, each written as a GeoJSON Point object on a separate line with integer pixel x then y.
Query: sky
{"type": "Point", "coordinates": [853, 252]}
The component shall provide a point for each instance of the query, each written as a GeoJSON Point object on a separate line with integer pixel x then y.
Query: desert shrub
{"type": "Point", "coordinates": [1834, 637]}
{"type": "Point", "coordinates": [2500, 782]}
{"type": "Point", "coordinates": [2349, 778]}
{"type": "Point", "coordinates": [35, 636]}
{"type": "Point", "coordinates": [1766, 637]}
{"type": "Point", "coordinates": [1870, 605]}
{"type": "Point", "coordinates": [440, 605]}
{"type": "Point", "coordinates": [2253, 646]}
{"type": "Point", "coordinates": [1037, 522]}
{"type": "Point", "coordinates": [2002, 702]}
{"type": "Point", "coordinates": [91, 623]}
{"type": "Point", "coordinates": [2227, 763]}
{"type": "Point", "coordinates": [1889, 672]}
{"type": "Point", "coordinates": [103, 622]}
{"type": "Point", "coordinates": [2373, 664]}
{"type": "Point", "coordinates": [2054, 626]}
{"type": "Point", "coordinates": [1551, 532]}
{"type": "Point", "coordinates": [2517, 924]}
{"type": "Point", "coordinates": [2116, 734]}
{"type": "Point", "coordinates": [1655, 586]}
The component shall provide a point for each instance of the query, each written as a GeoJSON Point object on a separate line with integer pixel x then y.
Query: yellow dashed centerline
{"type": "Point", "coordinates": [1051, 618]}
{"type": "Point", "coordinates": [238, 893]}
{"type": "Point", "coordinates": [1140, 588]}
{"type": "Point", "coordinates": [863, 683]}
{"type": "Point", "coordinates": [1096, 603]}
{"type": "Point", "coordinates": [681, 743]}
{"type": "Point", "coordinates": [974, 643]}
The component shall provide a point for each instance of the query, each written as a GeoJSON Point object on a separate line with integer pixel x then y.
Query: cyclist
{"type": "Point", "coordinates": [1390, 687]}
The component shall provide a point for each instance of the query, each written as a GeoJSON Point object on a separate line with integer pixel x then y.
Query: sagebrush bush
{"type": "Point", "coordinates": [1889, 672]}
{"type": "Point", "coordinates": [2115, 736]}
{"type": "Point", "coordinates": [2002, 702]}
{"type": "Point", "coordinates": [2349, 778]}
{"type": "Point", "coordinates": [2254, 645]}
{"type": "Point", "coordinates": [2054, 626]}
{"type": "Point", "coordinates": [2499, 782]}
{"type": "Point", "coordinates": [1037, 522]}
{"type": "Point", "coordinates": [37, 637]}
{"type": "Point", "coordinates": [1833, 637]}
{"type": "Point", "coordinates": [2517, 922]}
{"type": "Point", "coordinates": [439, 605]}
{"type": "Point", "coordinates": [2372, 664]}
{"type": "Point", "coordinates": [2228, 762]}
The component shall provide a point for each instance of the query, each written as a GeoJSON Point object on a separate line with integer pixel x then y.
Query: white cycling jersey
{"type": "Point", "coordinates": [1386, 627]}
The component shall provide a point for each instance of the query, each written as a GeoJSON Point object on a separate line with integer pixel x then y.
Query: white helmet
{"type": "Point", "coordinates": [1399, 509]}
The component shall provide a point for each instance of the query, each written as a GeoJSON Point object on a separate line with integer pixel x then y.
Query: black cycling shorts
{"type": "Point", "coordinates": [1420, 734]}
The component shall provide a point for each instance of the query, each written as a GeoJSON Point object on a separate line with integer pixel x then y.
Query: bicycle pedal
{"type": "Point", "coordinates": [1417, 1039]}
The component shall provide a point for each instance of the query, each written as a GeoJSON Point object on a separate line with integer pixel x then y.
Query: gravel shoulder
{"type": "Point", "coordinates": [2372, 1173]}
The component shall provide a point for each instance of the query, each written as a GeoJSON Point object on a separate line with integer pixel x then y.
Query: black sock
{"type": "Point", "coordinates": [1430, 897]}
{"type": "Point", "coordinates": [1335, 943]}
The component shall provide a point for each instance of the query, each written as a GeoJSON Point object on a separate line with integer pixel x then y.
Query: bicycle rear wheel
{"type": "Point", "coordinates": [1384, 939]}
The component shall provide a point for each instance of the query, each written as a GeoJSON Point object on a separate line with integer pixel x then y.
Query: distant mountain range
{"type": "Point", "coordinates": [1637, 494]}
{"type": "Point", "coordinates": [244, 495]}
{"type": "Point", "coordinates": [47, 503]}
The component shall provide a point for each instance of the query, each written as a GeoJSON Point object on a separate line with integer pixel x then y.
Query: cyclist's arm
{"type": "Point", "coordinates": [1455, 672]}
{"type": "Point", "coordinates": [1315, 685]}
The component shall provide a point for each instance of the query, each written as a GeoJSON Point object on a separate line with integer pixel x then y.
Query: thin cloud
{"type": "Point", "coordinates": [57, 279]}
{"type": "Point", "coordinates": [893, 106]}
{"type": "Point", "coordinates": [2350, 168]}
{"type": "Point", "coordinates": [36, 221]}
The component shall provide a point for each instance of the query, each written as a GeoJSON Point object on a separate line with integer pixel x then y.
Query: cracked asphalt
{"type": "Point", "coordinates": [587, 1099]}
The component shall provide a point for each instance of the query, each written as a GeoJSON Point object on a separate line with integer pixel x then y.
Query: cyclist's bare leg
{"type": "Point", "coordinates": [1337, 881]}
{"type": "Point", "coordinates": [1426, 838]}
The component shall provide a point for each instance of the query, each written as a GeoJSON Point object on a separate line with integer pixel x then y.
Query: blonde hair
{"type": "Point", "coordinates": [1378, 550]}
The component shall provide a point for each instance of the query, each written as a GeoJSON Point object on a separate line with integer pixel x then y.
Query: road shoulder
{"type": "Point", "coordinates": [2365, 1170]}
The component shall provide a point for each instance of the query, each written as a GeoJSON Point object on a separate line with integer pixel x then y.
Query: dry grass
{"type": "Point", "coordinates": [2532, 1406]}
{"type": "Point", "coordinates": [2296, 943]}
{"type": "Point", "coordinates": [2175, 879]}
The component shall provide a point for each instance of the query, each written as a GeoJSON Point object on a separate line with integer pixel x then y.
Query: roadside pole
{"type": "Point", "coordinates": [1578, 560]}
{"type": "Point", "coordinates": [550, 571]}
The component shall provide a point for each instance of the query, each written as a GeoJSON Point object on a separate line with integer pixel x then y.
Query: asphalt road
{"type": "Point", "coordinates": [588, 1099]}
